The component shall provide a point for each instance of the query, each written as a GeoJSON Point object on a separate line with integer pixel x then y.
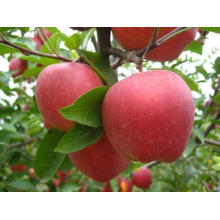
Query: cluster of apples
{"type": "Point", "coordinates": [146, 117]}
{"type": "Point", "coordinates": [20, 66]}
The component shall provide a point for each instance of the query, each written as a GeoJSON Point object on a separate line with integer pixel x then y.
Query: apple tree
{"type": "Point", "coordinates": [109, 109]}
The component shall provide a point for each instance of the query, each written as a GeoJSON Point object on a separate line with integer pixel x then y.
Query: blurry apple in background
{"type": "Point", "coordinates": [142, 178]}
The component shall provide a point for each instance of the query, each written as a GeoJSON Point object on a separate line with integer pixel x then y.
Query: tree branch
{"type": "Point", "coordinates": [212, 125]}
{"type": "Point", "coordinates": [216, 143]}
{"type": "Point", "coordinates": [27, 52]}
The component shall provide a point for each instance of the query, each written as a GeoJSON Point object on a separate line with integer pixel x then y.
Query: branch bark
{"type": "Point", "coordinates": [30, 52]}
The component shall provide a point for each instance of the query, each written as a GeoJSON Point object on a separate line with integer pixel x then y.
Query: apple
{"type": "Point", "coordinates": [43, 36]}
{"type": "Point", "coordinates": [99, 161]}
{"type": "Point", "coordinates": [142, 178]}
{"type": "Point", "coordinates": [38, 42]}
{"type": "Point", "coordinates": [208, 102]}
{"type": "Point", "coordinates": [135, 38]}
{"type": "Point", "coordinates": [46, 124]}
{"type": "Point", "coordinates": [18, 167]}
{"type": "Point", "coordinates": [25, 107]}
{"type": "Point", "coordinates": [59, 85]}
{"type": "Point", "coordinates": [107, 187]}
{"type": "Point", "coordinates": [124, 185]}
{"type": "Point", "coordinates": [149, 116]}
{"type": "Point", "coordinates": [17, 65]}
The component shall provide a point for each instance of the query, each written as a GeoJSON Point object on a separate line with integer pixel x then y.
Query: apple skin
{"type": "Point", "coordinates": [149, 116]}
{"type": "Point", "coordinates": [107, 187]}
{"type": "Point", "coordinates": [46, 124]}
{"type": "Point", "coordinates": [18, 167]}
{"type": "Point", "coordinates": [59, 85]}
{"type": "Point", "coordinates": [38, 42]}
{"type": "Point", "coordinates": [135, 38]}
{"type": "Point", "coordinates": [17, 65]}
{"type": "Point", "coordinates": [124, 185]}
{"type": "Point", "coordinates": [142, 178]}
{"type": "Point", "coordinates": [99, 161]}
{"type": "Point", "coordinates": [45, 34]}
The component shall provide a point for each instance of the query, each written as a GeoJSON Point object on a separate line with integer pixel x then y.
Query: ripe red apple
{"type": "Point", "coordinates": [142, 178]}
{"type": "Point", "coordinates": [107, 187]}
{"type": "Point", "coordinates": [59, 85]}
{"type": "Point", "coordinates": [135, 38]}
{"type": "Point", "coordinates": [25, 107]}
{"type": "Point", "coordinates": [46, 124]}
{"type": "Point", "coordinates": [38, 42]}
{"type": "Point", "coordinates": [99, 161]}
{"type": "Point", "coordinates": [149, 116]}
{"type": "Point", "coordinates": [18, 167]}
{"type": "Point", "coordinates": [17, 65]}
{"type": "Point", "coordinates": [43, 36]}
{"type": "Point", "coordinates": [124, 185]}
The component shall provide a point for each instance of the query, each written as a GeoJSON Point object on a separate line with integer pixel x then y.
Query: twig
{"type": "Point", "coordinates": [153, 164]}
{"type": "Point", "coordinates": [212, 125]}
{"type": "Point", "coordinates": [30, 52]}
{"type": "Point", "coordinates": [216, 143]}
{"type": "Point", "coordinates": [117, 63]}
{"type": "Point", "coordinates": [152, 40]}
{"type": "Point", "coordinates": [20, 144]}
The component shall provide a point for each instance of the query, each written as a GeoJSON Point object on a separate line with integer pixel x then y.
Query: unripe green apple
{"type": "Point", "coordinates": [142, 177]}
{"type": "Point", "coordinates": [149, 116]}
{"type": "Point", "coordinates": [59, 85]}
{"type": "Point", "coordinates": [99, 161]}
{"type": "Point", "coordinates": [135, 38]}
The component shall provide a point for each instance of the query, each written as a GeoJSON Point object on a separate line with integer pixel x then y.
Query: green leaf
{"type": "Point", "coordinates": [86, 110]}
{"type": "Point", "coordinates": [100, 65]}
{"type": "Point", "coordinates": [32, 72]}
{"type": "Point", "coordinates": [192, 85]}
{"type": "Point", "coordinates": [23, 42]}
{"type": "Point", "coordinates": [6, 49]}
{"type": "Point", "coordinates": [211, 29]}
{"type": "Point", "coordinates": [22, 185]}
{"type": "Point", "coordinates": [47, 161]}
{"type": "Point", "coordinates": [201, 70]}
{"type": "Point", "coordinates": [32, 58]}
{"type": "Point", "coordinates": [66, 165]}
{"type": "Point", "coordinates": [190, 147]}
{"type": "Point", "coordinates": [217, 65]}
{"type": "Point", "coordinates": [78, 138]}
{"type": "Point", "coordinates": [73, 42]}
{"type": "Point", "coordinates": [195, 47]}
{"type": "Point", "coordinates": [198, 133]}
{"type": "Point", "coordinates": [87, 35]}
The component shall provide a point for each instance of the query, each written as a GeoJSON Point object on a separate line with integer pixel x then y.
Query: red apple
{"type": "Point", "coordinates": [38, 42]}
{"type": "Point", "coordinates": [46, 124]}
{"type": "Point", "coordinates": [43, 36]}
{"type": "Point", "coordinates": [17, 65]}
{"type": "Point", "coordinates": [99, 161]}
{"type": "Point", "coordinates": [18, 167]}
{"type": "Point", "coordinates": [124, 185]}
{"type": "Point", "coordinates": [107, 187]}
{"type": "Point", "coordinates": [149, 116]}
{"type": "Point", "coordinates": [142, 178]}
{"type": "Point", "coordinates": [135, 38]}
{"type": "Point", "coordinates": [25, 107]}
{"type": "Point", "coordinates": [59, 85]}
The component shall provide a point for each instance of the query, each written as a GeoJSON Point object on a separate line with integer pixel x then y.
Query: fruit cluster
{"type": "Point", "coordinates": [146, 117]}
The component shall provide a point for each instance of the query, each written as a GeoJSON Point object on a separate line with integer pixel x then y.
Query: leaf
{"type": "Point", "coordinates": [100, 65]}
{"type": "Point", "coordinates": [22, 185]}
{"type": "Point", "coordinates": [32, 72]}
{"type": "Point", "coordinates": [198, 133]}
{"type": "Point", "coordinates": [190, 147]}
{"type": "Point", "coordinates": [192, 85]}
{"type": "Point", "coordinates": [23, 42]}
{"type": "Point", "coordinates": [87, 35]}
{"type": "Point", "coordinates": [211, 29]}
{"type": "Point", "coordinates": [47, 161]}
{"type": "Point", "coordinates": [32, 58]}
{"type": "Point", "coordinates": [195, 47]}
{"type": "Point", "coordinates": [217, 65]}
{"type": "Point", "coordinates": [73, 42]}
{"type": "Point", "coordinates": [6, 49]}
{"type": "Point", "coordinates": [86, 110]}
{"type": "Point", "coordinates": [78, 138]}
